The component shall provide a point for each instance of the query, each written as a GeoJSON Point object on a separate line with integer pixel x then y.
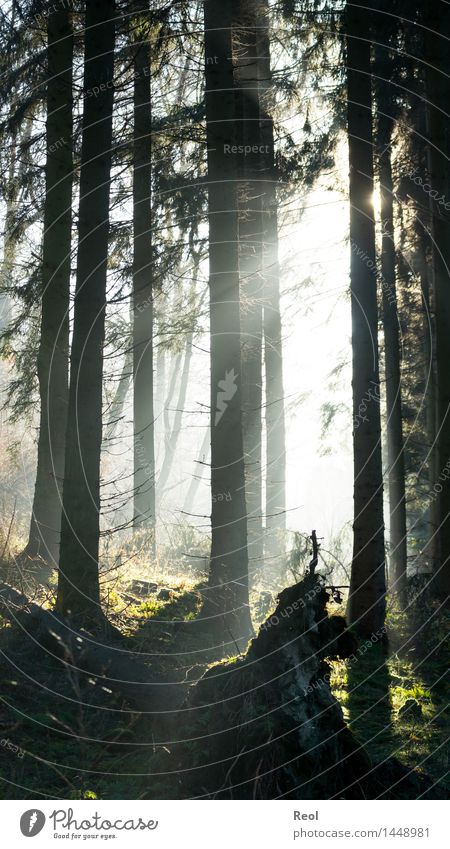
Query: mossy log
{"type": "Point", "coordinates": [274, 729]}
{"type": "Point", "coordinates": [89, 655]}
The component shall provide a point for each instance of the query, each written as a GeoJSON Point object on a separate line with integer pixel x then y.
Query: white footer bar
{"type": "Point", "coordinates": [224, 824]}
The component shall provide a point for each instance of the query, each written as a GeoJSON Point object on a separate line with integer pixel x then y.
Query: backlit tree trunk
{"type": "Point", "coordinates": [275, 509]}
{"type": "Point", "coordinates": [396, 457]}
{"type": "Point", "coordinates": [143, 405]}
{"type": "Point", "coordinates": [366, 606]}
{"type": "Point", "coordinates": [227, 605]}
{"type": "Point", "coordinates": [53, 355]}
{"type": "Point", "coordinates": [78, 586]}
{"type": "Point", "coordinates": [250, 265]}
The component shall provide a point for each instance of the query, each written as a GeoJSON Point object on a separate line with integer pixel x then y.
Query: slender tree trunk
{"type": "Point", "coordinates": [227, 605]}
{"type": "Point", "coordinates": [117, 405]}
{"type": "Point", "coordinates": [189, 501]}
{"type": "Point", "coordinates": [424, 268]}
{"type": "Point", "coordinates": [160, 380]}
{"type": "Point", "coordinates": [53, 355]}
{"type": "Point", "coordinates": [438, 33]}
{"type": "Point", "coordinates": [250, 265]}
{"type": "Point", "coordinates": [144, 419]}
{"type": "Point", "coordinates": [396, 456]}
{"type": "Point", "coordinates": [174, 431]}
{"type": "Point", "coordinates": [275, 509]}
{"type": "Point", "coordinates": [366, 607]}
{"type": "Point", "coordinates": [426, 274]}
{"type": "Point", "coordinates": [78, 587]}
{"type": "Point", "coordinates": [428, 288]}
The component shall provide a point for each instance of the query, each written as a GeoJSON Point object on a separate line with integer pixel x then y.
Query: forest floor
{"type": "Point", "coordinates": [76, 741]}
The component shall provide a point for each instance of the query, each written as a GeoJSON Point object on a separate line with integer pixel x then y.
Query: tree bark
{"type": "Point", "coordinates": [116, 408]}
{"type": "Point", "coordinates": [196, 479]}
{"type": "Point", "coordinates": [174, 432]}
{"type": "Point", "coordinates": [427, 286]}
{"type": "Point", "coordinates": [227, 606]}
{"type": "Point", "coordinates": [143, 404]}
{"type": "Point", "coordinates": [78, 586]}
{"type": "Point", "coordinates": [53, 354]}
{"type": "Point", "coordinates": [396, 456]}
{"type": "Point", "coordinates": [275, 508]}
{"type": "Point", "coordinates": [246, 65]}
{"type": "Point", "coordinates": [367, 604]}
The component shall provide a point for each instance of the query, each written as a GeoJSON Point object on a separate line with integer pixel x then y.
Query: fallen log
{"type": "Point", "coordinates": [113, 666]}
{"type": "Point", "coordinates": [274, 729]}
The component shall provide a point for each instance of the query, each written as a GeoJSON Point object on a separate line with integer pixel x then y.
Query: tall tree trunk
{"type": "Point", "coordinates": [116, 408]}
{"type": "Point", "coordinates": [427, 286]}
{"type": "Point", "coordinates": [53, 355]}
{"type": "Point", "coordinates": [143, 405]}
{"type": "Point", "coordinates": [227, 605]}
{"type": "Point", "coordinates": [367, 603]}
{"type": "Point", "coordinates": [189, 501]}
{"type": "Point", "coordinates": [396, 457]}
{"type": "Point", "coordinates": [78, 587]}
{"type": "Point", "coordinates": [424, 269]}
{"type": "Point", "coordinates": [160, 392]}
{"type": "Point", "coordinates": [438, 33]}
{"type": "Point", "coordinates": [250, 265]}
{"type": "Point", "coordinates": [174, 432]}
{"type": "Point", "coordinates": [275, 509]}
{"type": "Point", "coordinates": [168, 433]}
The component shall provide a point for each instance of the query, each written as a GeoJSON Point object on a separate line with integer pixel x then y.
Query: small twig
{"type": "Point", "coordinates": [315, 553]}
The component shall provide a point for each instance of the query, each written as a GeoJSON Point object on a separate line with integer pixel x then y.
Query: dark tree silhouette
{"type": "Point", "coordinates": [78, 585]}
{"type": "Point", "coordinates": [366, 605]}
{"type": "Point", "coordinates": [53, 355]}
{"type": "Point", "coordinates": [144, 447]}
{"type": "Point", "coordinates": [227, 604]}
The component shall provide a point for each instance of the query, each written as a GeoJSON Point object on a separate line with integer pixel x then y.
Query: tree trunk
{"type": "Point", "coordinates": [250, 266]}
{"type": "Point", "coordinates": [275, 509]}
{"type": "Point", "coordinates": [78, 587]}
{"type": "Point", "coordinates": [427, 286]}
{"type": "Point", "coordinates": [396, 456]}
{"type": "Point", "coordinates": [174, 432]}
{"type": "Point", "coordinates": [368, 584]}
{"type": "Point", "coordinates": [116, 408]}
{"type": "Point", "coordinates": [227, 606]}
{"type": "Point", "coordinates": [53, 355]}
{"type": "Point", "coordinates": [189, 501]}
{"type": "Point", "coordinates": [438, 32]}
{"type": "Point", "coordinates": [144, 419]}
